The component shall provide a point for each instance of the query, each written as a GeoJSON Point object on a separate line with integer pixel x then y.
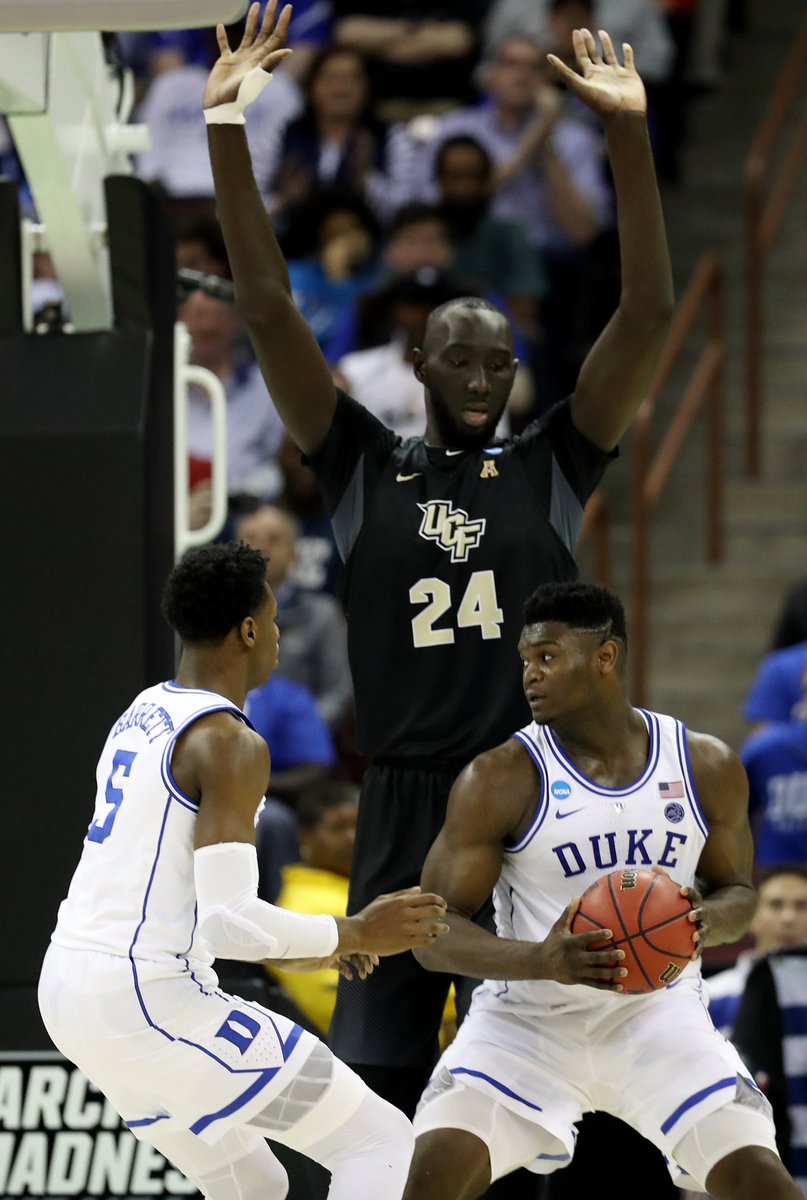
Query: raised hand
{"type": "Point", "coordinates": [262, 47]}
{"type": "Point", "coordinates": [393, 923]}
{"type": "Point", "coordinates": [604, 85]}
{"type": "Point", "coordinates": [571, 958]}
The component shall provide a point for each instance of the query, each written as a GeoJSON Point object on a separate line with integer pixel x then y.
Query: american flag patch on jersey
{"type": "Point", "coordinates": [671, 791]}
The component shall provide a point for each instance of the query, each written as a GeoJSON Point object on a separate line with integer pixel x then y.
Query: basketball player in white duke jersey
{"type": "Point", "coordinates": [167, 881]}
{"type": "Point", "coordinates": [591, 786]}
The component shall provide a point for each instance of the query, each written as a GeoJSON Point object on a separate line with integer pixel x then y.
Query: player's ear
{"type": "Point", "coordinates": [418, 360]}
{"type": "Point", "coordinates": [248, 631]}
{"type": "Point", "coordinates": [607, 657]}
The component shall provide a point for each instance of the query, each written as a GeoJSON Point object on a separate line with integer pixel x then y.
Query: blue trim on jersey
{"type": "Point", "coordinates": [497, 1084]}
{"type": "Point", "coordinates": [652, 760]}
{"type": "Point", "coordinates": [182, 955]}
{"type": "Point", "coordinates": [170, 686]}
{"type": "Point", "coordinates": [543, 803]}
{"type": "Point", "coordinates": [138, 993]}
{"type": "Point", "coordinates": [506, 987]}
{"type": "Point", "coordinates": [146, 1121]}
{"type": "Point", "coordinates": [689, 778]}
{"type": "Point", "coordinates": [696, 1098]}
{"type": "Point", "coordinates": [165, 762]}
{"type": "Point", "coordinates": [555, 1157]}
{"type": "Point", "coordinates": [263, 1079]}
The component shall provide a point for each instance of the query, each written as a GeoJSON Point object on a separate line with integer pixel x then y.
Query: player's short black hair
{"type": "Point", "coordinates": [212, 589]}
{"type": "Point", "coordinates": [579, 605]}
{"type": "Point", "coordinates": [315, 800]}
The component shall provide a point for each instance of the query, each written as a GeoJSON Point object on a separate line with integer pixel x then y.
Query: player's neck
{"type": "Point", "coordinates": [603, 732]}
{"type": "Point", "coordinates": [203, 669]}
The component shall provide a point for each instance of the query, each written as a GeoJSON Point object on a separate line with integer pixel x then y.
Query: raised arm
{"type": "Point", "coordinates": [726, 863]}
{"type": "Point", "coordinates": [292, 363]}
{"type": "Point", "coordinates": [618, 368]}
{"type": "Point", "coordinates": [495, 797]}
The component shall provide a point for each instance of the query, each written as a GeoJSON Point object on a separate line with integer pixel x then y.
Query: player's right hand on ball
{"type": "Point", "coordinates": [394, 923]}
{"type": "Point", "coordinates": [571, 958]}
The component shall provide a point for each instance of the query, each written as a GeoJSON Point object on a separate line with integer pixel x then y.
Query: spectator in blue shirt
{"type": "Point", "coordinates": [775, 759]}
{"type": "Point", "coordinates": [302, 749]}
{"type": "Point", "coordinates": [778, 686]}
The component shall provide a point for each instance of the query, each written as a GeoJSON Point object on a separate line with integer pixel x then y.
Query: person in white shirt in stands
{"type": "Point", "coordinates": [311, 625]}
{"type": "Point", "coordinates": [254, 429]}
{"type": "Point", "coordinates": [177, 157]}
{"type": "Point", "coordinates": [639, 22]}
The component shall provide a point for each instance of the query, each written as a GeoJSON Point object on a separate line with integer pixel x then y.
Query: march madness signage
{"type": "Point", "coordinates": [60, 1138]}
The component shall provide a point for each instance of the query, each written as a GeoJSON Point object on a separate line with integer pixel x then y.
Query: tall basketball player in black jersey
{"type": "Point", "coordinates": [444, 534]}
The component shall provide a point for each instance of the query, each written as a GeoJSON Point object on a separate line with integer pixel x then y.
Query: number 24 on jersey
{"type": "Point", "coordinates": [479, 606]}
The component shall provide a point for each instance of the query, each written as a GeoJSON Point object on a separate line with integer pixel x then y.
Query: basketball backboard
{"type": "Point", "coordinates": [56, 16]}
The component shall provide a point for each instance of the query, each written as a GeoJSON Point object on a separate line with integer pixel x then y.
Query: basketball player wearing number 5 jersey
{"type": "Point", "coordinates": [167, 881]}
{"type": "Point", "coordinates": [592, 785]}
{"type": "Point", "coordinates": [443, 535]}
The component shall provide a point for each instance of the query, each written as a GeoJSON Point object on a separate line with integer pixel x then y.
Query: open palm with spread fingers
{"type": "Point", "coordinates": [263, 45]}
{"type": "Point", "coordinates": [604, 85]}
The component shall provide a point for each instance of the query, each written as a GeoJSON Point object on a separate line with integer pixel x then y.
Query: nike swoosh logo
{"type": "Point", "coordinates": [570, 813]}
{"type": "Point", "coordinates": [406, 478]}
{"type": "Point", "coordinates": [451, 453]}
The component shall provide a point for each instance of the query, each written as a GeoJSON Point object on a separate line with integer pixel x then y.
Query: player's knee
{"type": "Point", "coordinates": [393, 1128]}
{"type": "Point", "coordinates": [732, 1151]}
{"type": "Point", "coordinates": [749, 1173]}
{"type": "Point", "coordinates": [256, 1176]}
{"type": "Point", "coordinates": [448, 1164]}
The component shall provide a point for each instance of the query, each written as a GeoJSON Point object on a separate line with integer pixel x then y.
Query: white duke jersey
{"type": "Point", "coordinates": [582, 831]}
{"type": "Point", "coordinates": [132, 893]}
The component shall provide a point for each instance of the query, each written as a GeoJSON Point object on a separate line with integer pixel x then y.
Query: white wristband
{"type": "Point", "coordinates": [232, 113]}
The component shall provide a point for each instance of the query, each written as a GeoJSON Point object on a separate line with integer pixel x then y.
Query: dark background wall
{"type": "Point", "coordinates": [86, 529]}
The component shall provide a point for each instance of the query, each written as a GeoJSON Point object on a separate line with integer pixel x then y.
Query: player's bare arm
{"type": "Point", "coordinates": [724, 911]}
{"type": "Point", "coordinates": [290, 359]}
{"type": "Point", "coordinates": [494, 798]}
{"type": "Point", "coordinates": [616, 373]}
{"type": "Point", "coordinates": [225, 766]}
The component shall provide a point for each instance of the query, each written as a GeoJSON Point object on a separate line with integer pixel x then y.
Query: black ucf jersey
{"type": "Point", "coordinates": [442, 548]}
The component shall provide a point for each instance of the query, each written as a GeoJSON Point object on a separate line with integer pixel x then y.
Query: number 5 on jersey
{"type": "Point", "coordinates": [478, 606]}
{"type": "Point", "coordinates": [122, 762]}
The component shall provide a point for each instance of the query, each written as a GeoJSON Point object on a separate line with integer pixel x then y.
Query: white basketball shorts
{"type": "Point", "coordinates": [655, 1061]}
{"type": "Point", "coordinates": [168, 1050]}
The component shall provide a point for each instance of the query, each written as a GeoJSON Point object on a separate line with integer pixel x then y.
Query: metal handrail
{"type": "Point", "coordinates": [765, 209]}
{"type": "Point", "coordinates": [652, 471]}
{"type": "Point", "coordinates": [596, 529]}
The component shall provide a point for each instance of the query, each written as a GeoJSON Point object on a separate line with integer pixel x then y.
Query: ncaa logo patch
{"type": "Point", "coordinates": [674, 813]}
{"type": "Point", "coordinates": [561, 790]}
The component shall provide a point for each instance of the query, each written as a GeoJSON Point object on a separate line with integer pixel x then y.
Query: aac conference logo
{"type": "Point", "coordinates": [561, 790]}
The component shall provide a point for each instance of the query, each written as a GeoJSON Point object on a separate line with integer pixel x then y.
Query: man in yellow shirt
{"type": "Point", "coordinates": [326, 815]}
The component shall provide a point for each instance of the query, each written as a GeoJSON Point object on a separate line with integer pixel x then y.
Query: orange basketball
{"type": "Point", "coordinates": [648, 917]}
